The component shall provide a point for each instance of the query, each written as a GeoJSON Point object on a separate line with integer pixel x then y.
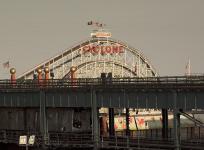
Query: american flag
{"type": "Point", "coordinates": [97, 24]}
{"type": "Point", "coordinates": [6, 64]}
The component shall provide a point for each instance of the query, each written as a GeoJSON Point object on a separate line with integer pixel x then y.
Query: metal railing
{"type": "Point", "coordinates": [71, 139]}
{"type": "Point", "coordinates": [86, 140]}
{"type": "Point", "coordinates": [149, 82]}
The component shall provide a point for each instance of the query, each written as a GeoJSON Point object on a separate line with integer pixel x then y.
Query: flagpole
{"type": "Point", "coordinates": [188, 68]}
{"type": "Point", "coordinates": [189, 73]}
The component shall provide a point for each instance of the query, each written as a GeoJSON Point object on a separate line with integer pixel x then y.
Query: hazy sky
{"type": "Point", "coordinates": [168, 32]}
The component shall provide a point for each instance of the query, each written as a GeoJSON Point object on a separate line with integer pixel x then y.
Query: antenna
{"type": "Point", "coordinates": [188, 68]}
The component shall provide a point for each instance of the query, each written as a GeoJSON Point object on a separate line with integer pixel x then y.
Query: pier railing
{"type": "Point", "coordinates": [86, 140]}
{"type": "Point", "coordinates": [149, 82]}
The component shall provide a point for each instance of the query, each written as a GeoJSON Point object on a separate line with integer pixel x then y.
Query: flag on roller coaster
{"type": "Point", "coordinates": [6, 65]}
{"type": "Point", "coordinates": [96, 24]}
{"type": "Point", "coordinates": [90, 23]}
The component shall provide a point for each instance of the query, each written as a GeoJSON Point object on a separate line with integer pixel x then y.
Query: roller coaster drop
{"type": "Point", "coordinates": [95, 56]}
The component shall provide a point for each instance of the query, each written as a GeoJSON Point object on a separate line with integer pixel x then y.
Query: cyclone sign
{"type": "Point", "coordinates": [99, 49]}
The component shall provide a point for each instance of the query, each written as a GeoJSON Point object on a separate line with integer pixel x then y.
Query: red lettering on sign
{"type": "Point", "coordinates": [108, 49]}
{"type": "Point", "coordinates": [86, 49]}
{"type": "Point", "coordinates": [114, 49]}
{"type": "Point", "coordinates": [120, 49]}
{"type": "Point", "coordinates": [102, 50]}
{"type": "Point", "coordinates": [97, 49]}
